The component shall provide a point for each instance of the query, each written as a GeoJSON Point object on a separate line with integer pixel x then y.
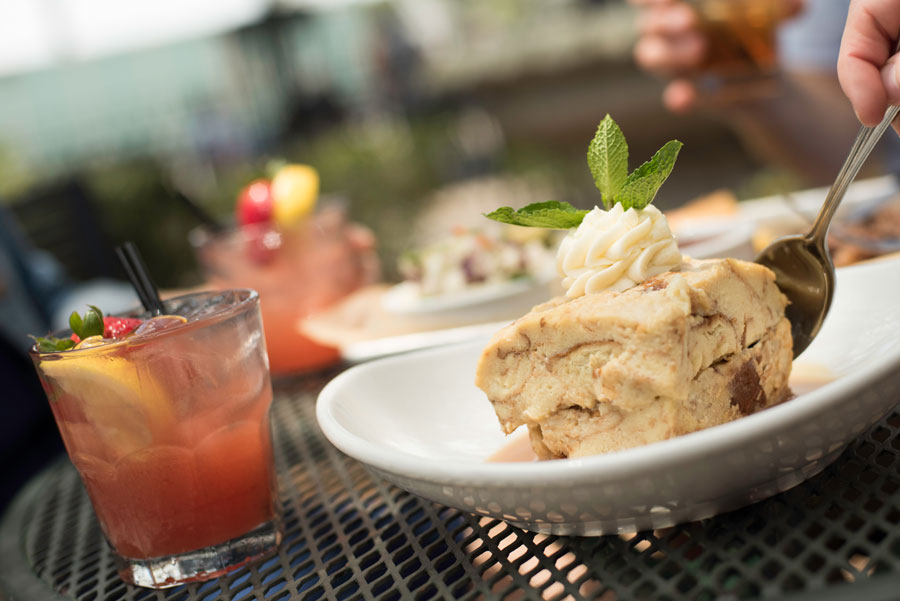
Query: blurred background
{"type": "Point", "coordinates": [111, 114]}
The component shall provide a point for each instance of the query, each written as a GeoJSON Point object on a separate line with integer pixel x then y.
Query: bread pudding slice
{"type": "Point", "coordinates": [684, 350]}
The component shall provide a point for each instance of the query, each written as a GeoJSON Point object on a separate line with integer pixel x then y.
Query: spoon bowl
{"type": "Point", "coordinates": [804, 273]}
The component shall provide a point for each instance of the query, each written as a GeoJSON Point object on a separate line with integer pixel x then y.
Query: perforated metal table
{"type": "Point", "coordinates": [351, 536]}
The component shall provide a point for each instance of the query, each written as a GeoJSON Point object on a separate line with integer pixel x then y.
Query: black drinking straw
{"type": "Point", "coordinates": [140, 278]}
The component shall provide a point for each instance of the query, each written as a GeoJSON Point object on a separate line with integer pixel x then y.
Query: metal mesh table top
{"type": "Point", "coordinates": [352, 536]}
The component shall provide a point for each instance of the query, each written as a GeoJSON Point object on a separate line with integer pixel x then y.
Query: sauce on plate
{"type": "Point", "coordinates": [806, 377]}
{"type": "Point", "coordinates": [517, 449]}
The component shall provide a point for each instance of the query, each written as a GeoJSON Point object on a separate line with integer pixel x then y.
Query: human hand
{"type": "Point", "coordinates": [867, 71]}
{"type": "Point", "coordinates": [670, 44]}
{"type": "Point", "coordinates": [674, 44]}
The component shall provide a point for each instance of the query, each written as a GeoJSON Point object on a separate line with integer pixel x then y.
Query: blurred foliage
{"type": "Point", "coordinates": [383, 169]}
{"type": "Point", "coordinates": [769, 182]}
{"type": "Point", "coordinates": [15, 177]}
{"type": "Point", "coordinates": [135, 203]}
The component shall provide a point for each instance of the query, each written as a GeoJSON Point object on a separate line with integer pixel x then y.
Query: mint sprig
{"type": "Point", "coordinates": [607, 159]}
{"type": "Point", "coordinates": [89, 325]}
{"type": "Point", "coordinates": [51, 344]}
{"type": "Point", "coordinates": [85, 327]}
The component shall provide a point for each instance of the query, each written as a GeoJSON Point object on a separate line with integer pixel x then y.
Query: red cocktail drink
{"type": "Point", "coordinates": [170, 432]}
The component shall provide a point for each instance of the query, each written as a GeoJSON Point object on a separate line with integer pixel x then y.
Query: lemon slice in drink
{"type": "Point", "coordinates": [295, 189]}
{"type": "Point", "coordinates": [124, 403]}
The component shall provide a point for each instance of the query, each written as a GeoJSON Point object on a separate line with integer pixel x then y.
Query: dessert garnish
{"type": "Point", "coordinates": [626, 242]}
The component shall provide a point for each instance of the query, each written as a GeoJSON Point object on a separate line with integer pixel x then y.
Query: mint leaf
{"type": "Point", "coordinates": [89, 325]}
{"type": "Point", "coordinates": [50, 344]}
{"type": "Point", "coordinates": [607, 158]}
{"type": "Point", "coordinates": [642, 184]}
{"type": "Point", "coordinates": [75, 322]}
{"type": "Point", "coordinates": [551, 214]}
{"type": "Point", "coordinates": [93, 322]}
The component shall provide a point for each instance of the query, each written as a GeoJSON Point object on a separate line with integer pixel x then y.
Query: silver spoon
{"type": "Point", "coordinates": [802, 264]}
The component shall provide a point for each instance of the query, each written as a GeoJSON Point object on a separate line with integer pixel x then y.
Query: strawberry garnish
{"type": "Point", "coordinates": [119, 327]}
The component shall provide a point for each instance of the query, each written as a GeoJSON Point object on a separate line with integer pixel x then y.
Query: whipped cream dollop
{"type": "Point", "coordinates": [615, 250]}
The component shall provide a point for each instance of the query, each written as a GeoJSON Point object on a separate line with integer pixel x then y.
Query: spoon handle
{"type": "Point", "coordinates": [862, 147]}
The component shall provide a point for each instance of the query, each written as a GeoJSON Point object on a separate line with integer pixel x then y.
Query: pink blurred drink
{"type": "Point", "coordinates": [297, 272]}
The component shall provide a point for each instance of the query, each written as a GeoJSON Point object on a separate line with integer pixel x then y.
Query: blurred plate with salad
{"type": "Point", "coordinates": [452, 287]}
{"type": "Point", "coordinates": [473, 267]}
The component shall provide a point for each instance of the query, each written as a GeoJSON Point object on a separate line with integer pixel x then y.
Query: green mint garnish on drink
{"type": "Point", "coordinates": [51, 344]}
{"type": "Point", "coordinates": [89, 325]}
{"type": "Point", "coordinates": [83, 327]}
{"type": "Point", "coordinates": [608, 161]}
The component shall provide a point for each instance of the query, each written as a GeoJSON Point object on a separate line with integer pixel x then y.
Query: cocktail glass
{"type": "Point", "coordinates": [741, 52]}
{"type": "Point", "coordinates": [170, 433]}
{"type": "Point", "coordinates": [297, 272]}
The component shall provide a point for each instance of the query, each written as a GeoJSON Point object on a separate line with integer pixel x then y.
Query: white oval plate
{"type": "Point", "coordinates": [418, 421]}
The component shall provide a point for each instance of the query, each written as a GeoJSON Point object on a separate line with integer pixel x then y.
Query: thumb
{"type": "Point", "coordinates": [890, 77]}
